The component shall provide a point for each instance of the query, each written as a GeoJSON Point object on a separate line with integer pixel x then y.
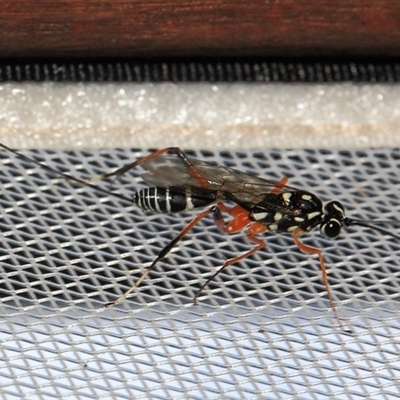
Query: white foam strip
{"type": "Point", "coordinates": [199, 115]}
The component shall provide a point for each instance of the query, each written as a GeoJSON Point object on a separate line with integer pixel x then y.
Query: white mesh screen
{"type": "Point", "coordinates": [262, 329]}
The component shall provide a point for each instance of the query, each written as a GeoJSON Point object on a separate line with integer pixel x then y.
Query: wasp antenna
{"type": "Point", "coordinates": [371, 225]}
{"type": "Point", "coordinates": [64, 175]}
{"type": "Point", "coordinates": [375, 221]}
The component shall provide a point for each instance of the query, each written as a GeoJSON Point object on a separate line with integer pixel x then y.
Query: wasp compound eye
{"type": "Point", "coordinates": [331, 229]}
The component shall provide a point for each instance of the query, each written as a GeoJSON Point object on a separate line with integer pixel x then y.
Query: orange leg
{"type": "Point", "coordinates": [127, 167]}
{"type": "Point", "coordinates": [311, 250]}
{"type": "Point", "coordinates": [175, 150]}
{"type": "Point", "coordinates": [240, 218]}
{"type": "Point", "coordinates": [238, 223]}
{"type": "Point", "coordinates": [163, 253]}
{"type": "Point", "coordinates": [280, 185]}
{"type": "Point", "coordinates": [240, 215]}
{"type": "Point", "coordinates": [253, 229]}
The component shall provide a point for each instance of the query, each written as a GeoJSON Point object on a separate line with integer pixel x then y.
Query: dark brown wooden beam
{"type": "Point", "coordinates": [212, 28]}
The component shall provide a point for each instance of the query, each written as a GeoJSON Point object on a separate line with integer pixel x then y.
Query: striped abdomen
{"type": "Point", "coordinates": [171, 200]}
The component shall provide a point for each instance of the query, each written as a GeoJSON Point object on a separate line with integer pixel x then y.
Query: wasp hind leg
{"type": "Point", "coordinates": [240, 221]}
{"type": "Point", "coordinates": [163, 253]}
{"type": "Point", "coordinates": [173, 150]}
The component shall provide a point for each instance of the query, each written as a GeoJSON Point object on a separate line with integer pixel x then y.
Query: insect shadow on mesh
{"type": "Point", "coordinates": [179, 184]}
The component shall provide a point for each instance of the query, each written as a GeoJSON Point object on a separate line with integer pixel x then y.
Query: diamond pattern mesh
{"type": "Point", "coordinates": [262, 329]}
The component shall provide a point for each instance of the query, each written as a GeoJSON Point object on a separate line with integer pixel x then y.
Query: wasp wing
{"type": "Point", "coordinates": [171, 171]}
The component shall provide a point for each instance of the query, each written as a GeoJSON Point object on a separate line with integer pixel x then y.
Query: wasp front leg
{"type": "Point", "coordinates": [312, 250]}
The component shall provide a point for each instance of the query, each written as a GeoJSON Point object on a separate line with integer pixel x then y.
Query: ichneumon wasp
{"type": "Point", "coordinates": [180, 184]}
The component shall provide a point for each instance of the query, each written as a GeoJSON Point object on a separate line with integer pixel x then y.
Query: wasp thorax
{"type": "Point", "coordinates": [287, 211]}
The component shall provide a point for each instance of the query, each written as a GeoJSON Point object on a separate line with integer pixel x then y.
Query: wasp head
{"type": "Point", "coordinates": [334, 219]}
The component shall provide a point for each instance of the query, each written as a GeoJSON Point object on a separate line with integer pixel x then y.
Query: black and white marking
{"type": "Point", "coordinates": [171, 200]}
